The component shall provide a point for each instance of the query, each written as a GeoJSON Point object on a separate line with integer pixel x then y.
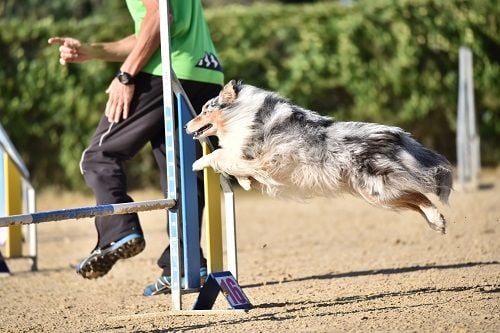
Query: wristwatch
{"type": "Point", "coordinates": [124, 77]}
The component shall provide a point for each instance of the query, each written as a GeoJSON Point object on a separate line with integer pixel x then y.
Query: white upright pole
{"type": "Point", "coordinates": [473, 135]}
{"type": "Point", "coordinates": [468, 156]}
{"type": "Point", "coordinates": [462, 154]}
{"type": "Point", "coordinates": [33, 239]}
{"type": "Point", "coordinates": [170, 146]}
{"type": "Point", "coordinates": [230, 224]}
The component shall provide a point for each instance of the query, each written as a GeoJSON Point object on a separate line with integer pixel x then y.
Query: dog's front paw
{"type": "Point", "coordinates": [199, 165]}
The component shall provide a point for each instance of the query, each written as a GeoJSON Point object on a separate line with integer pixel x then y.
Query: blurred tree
{"type": "Point", "coordinates": [60, 9]}
{"type": "Point", "coordinates": [220, 3]}
{"type": "Point", "coordinates": [387, 61]}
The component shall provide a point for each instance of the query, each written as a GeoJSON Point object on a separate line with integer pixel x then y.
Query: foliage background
{"type": "Point", "coordinates": [389, 61]}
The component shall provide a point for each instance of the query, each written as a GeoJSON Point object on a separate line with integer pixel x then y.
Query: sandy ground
{"type": "Point", "coordinates": [325, 266]}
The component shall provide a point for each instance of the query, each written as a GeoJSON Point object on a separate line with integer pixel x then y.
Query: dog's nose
{"type": "Point", "coordinates": [185, 126]}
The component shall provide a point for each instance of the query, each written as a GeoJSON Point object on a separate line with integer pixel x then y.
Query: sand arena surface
{"type": "Point", "coordinates": [325, 266]}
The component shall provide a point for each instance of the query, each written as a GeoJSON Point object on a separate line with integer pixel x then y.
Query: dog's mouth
{"type": "Point", "coordinates": [201, 130]}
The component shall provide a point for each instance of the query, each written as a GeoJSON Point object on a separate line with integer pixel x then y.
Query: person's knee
{"type": "Point", "coordinates": [93, 179]}
{"type": "Point", "coordinates": [97, 170]}
{"type": "Point", "coordinates": [108, 185]}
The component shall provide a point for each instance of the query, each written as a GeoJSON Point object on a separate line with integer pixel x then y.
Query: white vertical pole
{"type": "Point", "coordinates": [33, 239]}
{"type": "Point", "coordinates": [462, 155]}
{"type": "Point", "coordinates": [468, 155]}
{"type": "Point", "coordinates": [230, 225]}
{"type": "Point", "coordinates": [473, 135]}
{"type": "Point", "coordinates": [170, 146]}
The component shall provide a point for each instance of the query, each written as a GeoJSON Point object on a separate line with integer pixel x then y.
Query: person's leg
{"type": "Point", "coordinates": [119, 236]}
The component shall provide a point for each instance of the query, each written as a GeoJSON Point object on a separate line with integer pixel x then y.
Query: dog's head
{"type": "Point", "coordinates": [210, 120]}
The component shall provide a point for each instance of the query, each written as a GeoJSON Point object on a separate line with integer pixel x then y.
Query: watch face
{"type": "Point", "coordinates": [124, 77]}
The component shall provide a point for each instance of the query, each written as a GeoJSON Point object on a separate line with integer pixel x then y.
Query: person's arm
{"type": "Point", "coordinates": [115, 51]}
{"type": "Point", "coordinates": [147, 42]}
{"type": "Point", "coordinates": [72, 50]}
{"type": "Point", "coordinates": [134, 51]}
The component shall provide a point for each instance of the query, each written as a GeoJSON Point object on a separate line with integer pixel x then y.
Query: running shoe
{"type": "Point", "coordinates": [101, 260]}
{"type": "Point", "coordinates": [163, 284]}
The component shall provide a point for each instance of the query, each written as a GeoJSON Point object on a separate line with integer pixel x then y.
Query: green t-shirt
{"type": "Point", "coordinates": [192, 50]}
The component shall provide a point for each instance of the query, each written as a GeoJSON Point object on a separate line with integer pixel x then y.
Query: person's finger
{"type": "Point", "coordinates": [56, 40]}
{"type": "Point", "coordinates": [65, 58]}
{"type": "Point", "coordinates": [71, 42]}
{"type": "Point", "coordinates": [107, 111]}
{"type": "Point", "coordinates": [111, 113]}
{"type": "Point", "coordinates": [114, 111]}
{"type": "Point", "coordinates": [69, 55]}
{"type": "Point", "coordinates": [118, 113]}
{"type": "Point", "coordinates": [68, 49]}
{"type": "Point", "coordinates": [118, 110]}
{"type": "Point", "coordinates": [65, 55]}
{"type": "Point", "coordinates": [125, 110]}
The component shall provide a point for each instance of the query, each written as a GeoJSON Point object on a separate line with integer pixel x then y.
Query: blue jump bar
{"type": "Point", "coordinates": [77, 213]}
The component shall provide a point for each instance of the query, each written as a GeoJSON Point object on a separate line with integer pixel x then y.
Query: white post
{"type": "Point", "coordinates": [33, 239]}
{"type": "Point", "coordinates": [468, 155]}
{"type": "Point", "coordinates": [230, 225]}
{"type": "Point", "coordinates": [170, 146]}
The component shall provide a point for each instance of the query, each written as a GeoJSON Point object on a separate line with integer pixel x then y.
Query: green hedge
{"type": "Point", "coordinates": [388, 61]}
{"type": "Point", "coordinates": [394, 62]}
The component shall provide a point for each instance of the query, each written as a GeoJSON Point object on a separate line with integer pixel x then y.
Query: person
{"type": "Point", "coordinates": [133, 117]}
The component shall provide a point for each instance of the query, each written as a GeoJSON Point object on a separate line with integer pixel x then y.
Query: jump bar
{"type": "Point", "coordinates": [77, 213]}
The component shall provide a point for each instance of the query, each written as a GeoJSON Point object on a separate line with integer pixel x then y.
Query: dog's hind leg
{"type": "Point", "coordinates": [420, 203]}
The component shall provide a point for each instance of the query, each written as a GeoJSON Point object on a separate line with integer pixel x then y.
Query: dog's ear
{"type": "Point", "coordinates": [230, 92]}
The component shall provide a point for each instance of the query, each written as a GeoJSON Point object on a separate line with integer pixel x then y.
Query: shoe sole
{"type": "Point", "coordinates": [100, 265]}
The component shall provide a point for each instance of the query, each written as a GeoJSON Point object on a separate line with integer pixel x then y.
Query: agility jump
{"type": "Point", "coordinates": [177, 201]}
{"type": "Point", "coordinates": [178, 212]}
{"type": "Point", "coordinates": [17, 196]}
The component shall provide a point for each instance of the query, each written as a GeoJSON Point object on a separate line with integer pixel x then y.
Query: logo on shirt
{"type": "Point", "coordinates": [209, 61]}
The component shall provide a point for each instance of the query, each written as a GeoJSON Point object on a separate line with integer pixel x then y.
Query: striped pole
{"type": "Point", "coordinates": [171, 147]}
{"type": "Point", "coordinates": [82, 212]}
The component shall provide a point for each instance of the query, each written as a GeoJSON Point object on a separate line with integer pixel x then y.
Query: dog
{"type": "Point", "coordinates": [270, 144]}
